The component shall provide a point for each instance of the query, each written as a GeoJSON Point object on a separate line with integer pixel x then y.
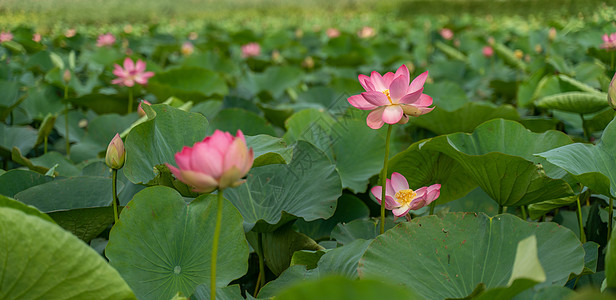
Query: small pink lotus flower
{"type": "Point", "coordinates": [251, 50]}
{"type": "Point", "coordinates": [6, 36]}
{"type": "Point", "coordinates": [140, 110]}
{"type": "Point", "coordinates": [187, 48]}
{"type": "Point", "coordinates": [446, 33]}
{"type": "Point", "coordinates": [114, 158]}
{"type": "Point", "coordinates": [131, 73]}
{"type": "Point", "coordinates": [70, 33]}
{"type": "Point", "coordinates": [391, 98]}
{"type": "Point", "coordinates": [219, 161]}
{"type": "Point", "coordinates": [366, 32]}
{"type": "Point", "coordinates": [105, 40]}
{"type": "Point", "coordinates": [400, 199]}
{"type": "Point", "coordinates": [609, 42]}
{"type": "Point", "coordinates": [487, 51]}
{"type": "Point", "coordinates": [332, 33]}
{"type": "Point", "coordinates": [36, 37]}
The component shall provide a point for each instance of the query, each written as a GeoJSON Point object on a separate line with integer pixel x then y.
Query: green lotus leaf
{"type": "Point", "coordinates": [187, 83]}
{"type": "Point", "coordinates": [576, 102]}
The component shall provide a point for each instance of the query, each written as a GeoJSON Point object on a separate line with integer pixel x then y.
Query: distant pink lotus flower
{"type": "Point", "coordinates": [140, 110]}
{"type": "Point", "coordinates": [446, 33]}
{"type": "Point", "coordinates": [187, 48]}
{"type": "Point", "coordinates": [609, 42]}
{"type": "Point", "coordinates": [400, 199]}
{"type": "Point", "coordinates": [131, 73]}
{"type": "Point", "coordinates": [391, 98]}
{"type": "Point", "coordinates": [332, 33]}
{"type": "Point", "coordinates": [251, 50]}
{"type": "Point", "coordinates": [487, 51]}
{"type": "Point", "coordinates": [36, 37]}
{"type": "Point", "coordinates": [105, 40]}
{"type": "Point", "coordinates": [366, 32]}
{"type": "Point", "coordinates": [6, 36]}
{"type": "Point", "coordinates": [219, 161]}
{"type": "Point", "coordinates": [70, 33]}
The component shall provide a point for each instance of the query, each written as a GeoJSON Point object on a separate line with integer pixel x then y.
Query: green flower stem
{"type": "Point", "coordinates": [114, 187]}
{"type": "Point", "coordinates": [524, 214]}
{"type": "Point", "coordinates": [579, 215]}
{"type": "Point", "coordinates": [585, 127]}
{"type": "Point", "coordinates": [261, 278]}
{"type": "Point", "coordinates": [384, 178]}
{"type": "Point", "coordinates": [500, 209]}
{"type": "Point", "coordinates": [610, 219]}
{"type": "Point", "coordinates": [215, 246]}
{"type": "Point", "coordinates": [45, 144]}
{"type": "Point", "coordinates": [612, 61]}
{"type": "Point", "coordinates": [68, 141]}
{"type": "Point", "coordinates": [432, 206]}
{"type": "Point", "coordinates": [130, 99]}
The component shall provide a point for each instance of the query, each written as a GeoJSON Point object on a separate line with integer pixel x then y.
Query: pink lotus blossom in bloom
{"type": "Point", "coordinates": [187, 48]}
{"type": "Point", "coordinates": [487, 51]}
{"type": "Point", "coordinates": [446, 33]}
{"type": "Point", "coordinates": [36, 37]}
{"type": "Point", "coordinates": [609, 42]}
{"type": "Point", "coordinates": [105, 40]}
{"type": "Point", "coordinates": [131, 73]}
{"type": "Point", "coordinates": [5, 36]}
{"type": "Point", "coordinates": [366, 32]}
{"type": "Point", "coordinates": [70, 33]}
{"type": "Point", "coordinates": [140, 110]}
{"type": "Point", "coordinates": [250, 50]}
{"type": "Point", "coordinates": [219, 161]}
{"type": "Point", "coordinates": [400, 199]}
{"type": "Point", "coordinates": [391, 98]}
{"type": "Point", "coordinates": [332, 33]}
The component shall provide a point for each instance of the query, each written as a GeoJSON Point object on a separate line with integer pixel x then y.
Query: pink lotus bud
{"type": "Point", "coordinates": [70, 33]}
{"type": "Point", "coordinates": [487, 51]}
{"type": "Point", "coordinates": [115, 153]}
{"type": "Point", "coordinates": [611, 93]}
{"type": "Point", "coordinates": [332, 33]}
{"type": "Point", "coordinates": [552, 34]}
{"type": "Point", "coordinates": [5, 36]}
{"type": "Point", "coordinates": [446, 33]}
{"type": "Point", "coordinates": [219, 161]}
{"type": "Point", "coordinates": [36, 37]}
{"type": "Point", "coordinates": [188, 48]}
{"type": "Point", "coordinates": [140, 110]}
{"type": "Point", "coordinates": [366, 32]}
{"type": "Point", "coordinates": [128, 28]}
{"type": "Point", "coordinates": [251, 50]}
{"type": "Point", "coordinates": [66, 76]}
{"type": "Point", "coordinates": [308, 62]}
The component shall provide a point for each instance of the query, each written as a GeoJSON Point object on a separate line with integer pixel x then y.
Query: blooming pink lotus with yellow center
{"type": "Point", "coordinates": [400, 199]}
{"type": "Point", "coordinates": [219, 161]}
{"type": "Point", "coordinates": [391, 97]}
{"type": "Point", "coordinates": [131, 73]}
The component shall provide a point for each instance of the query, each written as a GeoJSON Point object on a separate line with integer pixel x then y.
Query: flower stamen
{"type": "Point", "coordinates": [405, 197]}
{"type": "Point", "coordinates": [386, 92]}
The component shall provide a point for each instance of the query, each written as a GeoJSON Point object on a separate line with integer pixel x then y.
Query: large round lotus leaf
{"type": "Point", "coordinates": [41, 261]}
{"type": "Point", "coordinates": [593, 166]}
{"type": "Point", "coordinates": [498, 156]}
{"type": "Point", "coordinates": [157, 140]}
{"type": "Point", "coordinates": [162, 246]}
{"type": "Point", "coordinates": [15, 181]}
{"type": "Point", "coordinates": [22, 137]}
{"type": "Point", "coordinates": [465, 118]}
{"type": "Point", "coordinates": [307, 187]}
{"type": "Point", "coordinates": [422, 167]}
{"type": "Point", "coordinates": [232, 119]}
{"type": "Point", "coordinates": [341, 288]}
{"type": "Point", "coordinates": [576, 102]}
{"type": "Point", "coordinates": [269, 150]}
{"type": "Point", "coordinates": [189, 83]}
{"type": "Point", "coordinates": [448, 257]}
{"type": "Point", "coordinates": [27, 209]}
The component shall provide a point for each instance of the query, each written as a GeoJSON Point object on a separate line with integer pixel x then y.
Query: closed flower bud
{"type": "Point", "coordinates": [611, 93]}
{"type": "Point", "coordinates": [66, 76]}
{"type": "Point", "coordinates": [115, 153]}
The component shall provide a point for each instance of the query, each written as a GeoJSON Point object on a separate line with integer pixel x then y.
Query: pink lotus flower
{"type": "Point", "coordinates": [446, 33]}
{"type": "Point", "coordinates": [36, 37]}
{"type": "Point", "coordinates": [400, 199]}
{"type": "Point", "coordinates": [391, 98]}
{"type": "Point", "coordinates": [105, 40]}
{"type": "Point", "coordinates": [219, 161]}
{"type": "Point", "coordinates": [187, 48]}
{"type": "Point", "coordinates": [131, 73]}
{"type": "Point", "coordinates": [366, 32]}
{"type": "Point", "coordinates": [609, 42]}
{"type": "Point", "coordinates": [140, 110]}
{"type": "Point", "coordinates": [251, 50]}
{"type": "Point", "coordinates": [70, 33]}
{"type": "Point", "coordinates": [332, 33]}
{"type": "Point", "coordinates": [5, 36]}
{"type": "Point", "coordinates": [487, 51]}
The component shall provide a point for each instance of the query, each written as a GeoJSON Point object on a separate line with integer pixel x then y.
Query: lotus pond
{"type": "Point", "coordinates": [197, 160]}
